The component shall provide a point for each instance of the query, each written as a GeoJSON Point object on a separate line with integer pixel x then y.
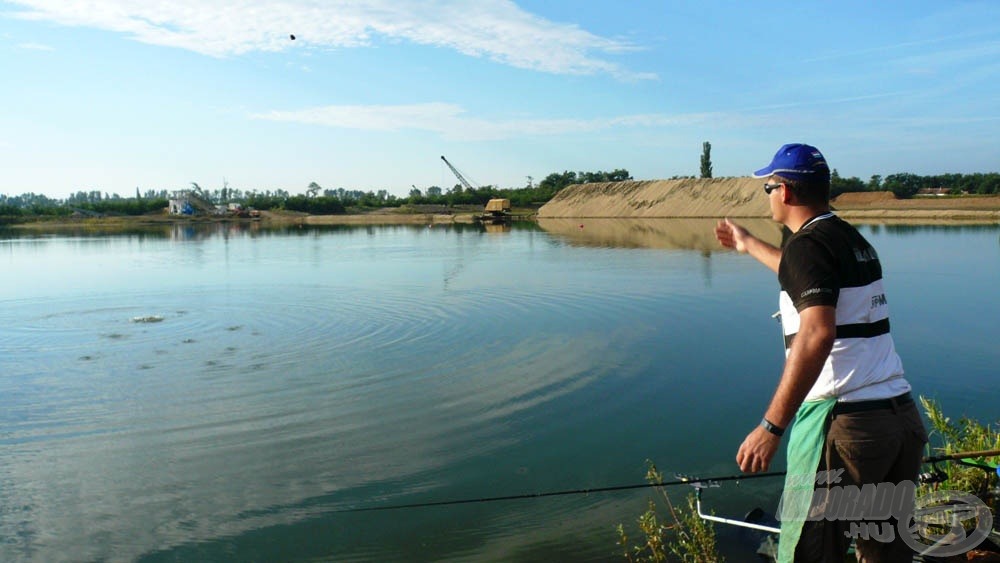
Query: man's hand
{"type": "Point", "coordinates": [732, 235]}
{"type": "Point", "coordinates": [757, 450]}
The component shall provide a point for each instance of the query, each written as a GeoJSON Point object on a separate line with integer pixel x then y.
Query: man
{"type": "Point", "coordinates": [842, 380]}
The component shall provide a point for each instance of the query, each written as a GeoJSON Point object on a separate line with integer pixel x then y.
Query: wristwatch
{"type": "Point", "coordinates": [771, 427]}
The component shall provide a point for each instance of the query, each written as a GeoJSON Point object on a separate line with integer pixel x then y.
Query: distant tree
{"type": "Point", "coordinates": [8, 210]}
{"type": "Point", "coordinates": [556, 181]}
{"type": "Point", "coordinates": [619, 175]}
{"type": "Point", "coordinates": [602, 176]}
{"type": "Point", "coordinates": [313, 189]}
{"type": "Point", "coordinates": [706, 160]}
{"type": "Point", "coordinates": [434, 191]}
{"type": "Point", "coordinates": [315, 205]}
{"type": "Point", "coordinates": [840, 185]}
{"type": "Point", "coordinates": [875, 183]}
{"type": "Point", "coordinates": [904, 185]}
{"type": "Point", "coordinates": [990, 183]}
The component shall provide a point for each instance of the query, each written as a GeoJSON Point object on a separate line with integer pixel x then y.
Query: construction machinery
{"type": "Point", "coordinates": [496, 209]}
{"type": "Point", "coordinates": [465, 183]}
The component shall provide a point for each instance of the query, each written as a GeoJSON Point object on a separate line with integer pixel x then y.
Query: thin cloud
{"type": "Point", "coordinates": [960, 55]}
{"type": "Point", "coordinates": [946, 39]}
{"type": "Point", "coordinates": [826, 101]}
{"type": "Point", "coordinates": [497, 30]}
{"type": "Point", "coordinates": [450, 121]}
{"type": "Point", "coordinates": [35, 47]}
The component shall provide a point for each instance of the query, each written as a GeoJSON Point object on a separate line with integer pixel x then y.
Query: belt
{"type": "Point", "coordinates": [872, 405]}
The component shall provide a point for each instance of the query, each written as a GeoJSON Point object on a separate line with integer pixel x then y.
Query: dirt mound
{"type": "Point", "coordinates": [706, 197]}
{"type": "Point", "coordinates": [863, 198]}
{"type": "Point", "coordinates": [743, 197]}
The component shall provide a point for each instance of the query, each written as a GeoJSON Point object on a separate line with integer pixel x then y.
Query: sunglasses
{"type": "Point", "coordinates": [768, 188]}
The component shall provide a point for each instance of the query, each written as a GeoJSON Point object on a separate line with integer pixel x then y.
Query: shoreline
{"type": "Point", "coordinates": [952, 211]}
{"type": "Point", "coordinates": [921, 216]}
{"type": "Point", "coordinates": [867, 216]}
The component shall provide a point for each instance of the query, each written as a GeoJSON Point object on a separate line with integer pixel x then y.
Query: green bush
{"type": "Point", "coordinates": [965, 435]}
{"type": "Point", "coordinates": [323, 205]}
{"type": "Point", "coordinates": [682, 533]}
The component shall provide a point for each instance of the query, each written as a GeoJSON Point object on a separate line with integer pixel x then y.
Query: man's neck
{"type": "Point", "coordinates": [800, 215]}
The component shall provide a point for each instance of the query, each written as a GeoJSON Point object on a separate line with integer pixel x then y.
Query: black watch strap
{"type": "Point", "coordinates": [772, 428]}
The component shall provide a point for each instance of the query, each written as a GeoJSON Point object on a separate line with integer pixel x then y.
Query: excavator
{"type": "Point", "coordinates": [497, 209]}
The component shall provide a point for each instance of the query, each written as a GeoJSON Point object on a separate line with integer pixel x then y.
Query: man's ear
{"type": "Point", "coordinates": [787, 197]}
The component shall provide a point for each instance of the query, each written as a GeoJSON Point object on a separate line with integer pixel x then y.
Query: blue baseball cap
{"type": "Point", "coordinates": [796, 162]}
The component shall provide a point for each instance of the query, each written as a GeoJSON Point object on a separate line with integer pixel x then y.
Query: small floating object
{"type": "Point", "coordinates": [292, 37]}
{"type": "Point", "coordinates": [148, 319]}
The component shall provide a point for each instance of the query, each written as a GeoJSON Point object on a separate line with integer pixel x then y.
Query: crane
{"type": "Point", "coordinates": [497, 209]}
{"type": "Point", "coordinates": [465, 183]}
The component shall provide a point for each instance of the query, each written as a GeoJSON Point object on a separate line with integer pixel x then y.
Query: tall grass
{"type": "Point", "coordinates": [669, 533]}
{"type": "Point", "coordinates": [963, 435]}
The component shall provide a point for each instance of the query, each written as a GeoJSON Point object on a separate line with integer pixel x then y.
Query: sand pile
{"type": "Point", "coordinates": [863, 198]}
{"type": "Point", "coordinates": [709, 197]}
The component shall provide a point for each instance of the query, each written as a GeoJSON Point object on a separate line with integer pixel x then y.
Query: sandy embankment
{"type": "Point", "coordinates": [714, 197]}
{"type": "Point", "coordinates": [743, 197]}
{"type": "Point", "coordinates": [885, 208]}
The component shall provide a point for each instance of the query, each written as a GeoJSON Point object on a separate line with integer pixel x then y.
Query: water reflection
{"type": "Point", "coordinates": [676, 234]}
{"type": "Point", "coordinates": [294, 371]}
{"type": "Point", "coordinates": [191, 231]}
{"type": "Point", "coordinates": [252, 410]}
{"type": "Point", "coordinates": [495, 228]}
{"type": "Point", "coordinates": [946, 229]}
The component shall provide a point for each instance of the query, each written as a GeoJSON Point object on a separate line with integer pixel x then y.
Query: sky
{"type": "Point", "coordinates": [114, 95]}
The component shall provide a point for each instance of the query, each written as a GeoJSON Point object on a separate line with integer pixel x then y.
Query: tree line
{"type": "Point", "coordinates": [320, 201]}
{"type": "Point", "coordinates": [316, 200]}
{"type": "Point", "coordinates": [85, 203]}
{"type": "Point", "coordinates": [906, 185]}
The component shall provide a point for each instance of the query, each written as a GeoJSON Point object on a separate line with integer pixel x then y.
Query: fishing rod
{"type": "Point", "coordinates": [935, 476]}
{"type": "Point", "coordinates": [681, 480]}
{"type": "Point", "coordinates": [961, 458]}
{"type": "Point", "coordinates": [697, 483]}
{"type": "Point", "coordinates": [962, 455]}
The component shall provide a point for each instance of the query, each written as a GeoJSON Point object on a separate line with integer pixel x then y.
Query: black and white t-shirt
{"type": "Point", "coordinates": [828, 262]}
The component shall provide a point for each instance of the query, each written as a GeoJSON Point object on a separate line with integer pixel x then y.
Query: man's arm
{"type": "Point", "coordinates": [811, 347]}
{"type": "Point", "coordinates": [739, 239]}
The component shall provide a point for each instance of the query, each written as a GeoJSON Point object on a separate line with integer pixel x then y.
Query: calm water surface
{"type": "Point", "coordinates": [222, 393]}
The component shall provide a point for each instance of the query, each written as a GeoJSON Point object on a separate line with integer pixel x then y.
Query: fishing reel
{"type": "Point", "coordinates": [933, 477]}
{"type": "Point", "coordinates": [698, 484]}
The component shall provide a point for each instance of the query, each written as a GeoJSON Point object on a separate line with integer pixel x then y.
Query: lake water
{"type": "Point", "coordinates": [226, 392]}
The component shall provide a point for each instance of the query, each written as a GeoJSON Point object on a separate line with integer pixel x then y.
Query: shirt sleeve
{"type": "Point", "coordinates": [808, 274]}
